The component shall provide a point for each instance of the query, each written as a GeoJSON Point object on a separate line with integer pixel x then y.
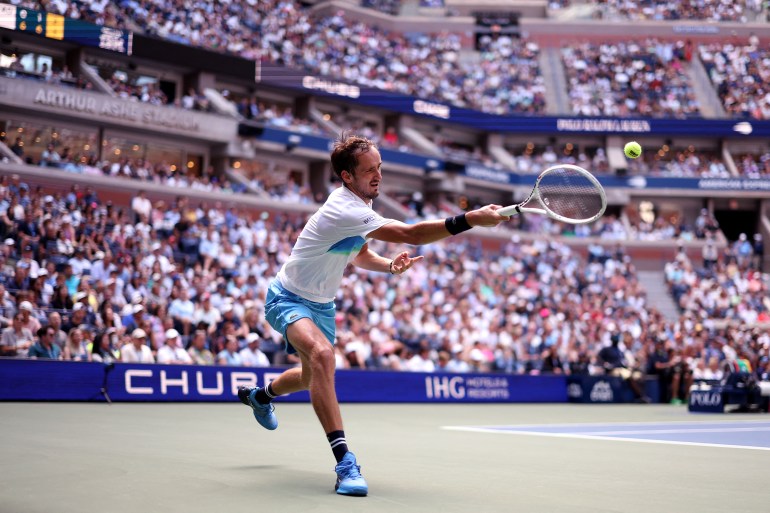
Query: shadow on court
{"type": "Point", "coordinates": [200, 458]}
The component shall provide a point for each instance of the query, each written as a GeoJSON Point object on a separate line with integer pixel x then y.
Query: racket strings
{"type": "Point", "coordinates": [569, 193]}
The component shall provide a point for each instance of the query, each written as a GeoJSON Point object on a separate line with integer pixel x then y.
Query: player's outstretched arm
{"type": "Point", "coordinates": [371, 261]}
{"type": "Point", "coordinates": [426, 232]}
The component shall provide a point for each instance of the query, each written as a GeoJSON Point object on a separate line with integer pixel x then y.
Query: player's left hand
{"type": "Point", "coordinates": [402, 263]}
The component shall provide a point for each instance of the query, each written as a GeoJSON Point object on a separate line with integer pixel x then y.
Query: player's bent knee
{"type": "Point", "coordinates": [322, 357]}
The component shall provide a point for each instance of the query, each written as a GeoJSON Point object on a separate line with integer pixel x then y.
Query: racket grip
{"type": "Point", "coordinates": [509, 211]}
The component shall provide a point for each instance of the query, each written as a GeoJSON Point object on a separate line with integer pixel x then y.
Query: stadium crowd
{"type": "Point", "coordinates": [711, 10]}
{"type": "Point", "coordinates": [725, 309]}
{"type": "Point", "coordinates": [505, 78]}
{"type": "Point", "coordinates": [533, 160]}
{"type": "Point", "coordinates": [726, 287]}
{"type": "Point", "coordinates": [685, 162]}
{"type": "Point", "coordinates": [645, 78]}
{"type": "Point", "coordinates": [673, 228]}
{"type": "Point", "coordinates": [621, 79]}
{"type": "Point", "coordinates": [274, 115]}
{"type": "Point", "coordinates": [753, 166]}
{"type": "Point", "coordinates": [741, 75]}
{"type": "Point", "coordinates": [88, 280]}
{"type": "Point", "coordinates": [45, 73]}
{"type": "Point", "coordinates": [60, 154]}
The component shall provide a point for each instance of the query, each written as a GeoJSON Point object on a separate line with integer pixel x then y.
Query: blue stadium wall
{"type": "Point", "coordinates": [30, 380]}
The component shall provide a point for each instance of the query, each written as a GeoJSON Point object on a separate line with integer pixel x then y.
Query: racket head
{"type": "Point", "coordinates": [570, 194]}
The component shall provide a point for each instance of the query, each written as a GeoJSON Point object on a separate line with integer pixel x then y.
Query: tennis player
{"type": "Point", "coordinates": [300, 300]}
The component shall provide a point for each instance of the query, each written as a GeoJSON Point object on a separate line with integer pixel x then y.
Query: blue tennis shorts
{"type": "Point", "coordinates": [283, 308]}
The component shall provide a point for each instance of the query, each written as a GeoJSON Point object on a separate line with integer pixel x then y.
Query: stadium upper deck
{"type": "Point", "coordinates": [451, 155]}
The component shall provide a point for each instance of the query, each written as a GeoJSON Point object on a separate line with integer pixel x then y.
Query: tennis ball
{"type": "Point", "coordinates": [632, 149]}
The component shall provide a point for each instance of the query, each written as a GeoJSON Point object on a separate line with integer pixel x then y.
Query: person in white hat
{"type": "Point", "coordinates": [172, 352]}
{"type": "Point", "coordinates": [28, 320]}
{"type": "Point", "coordinates": [137, 350]}
{"type": "Point", "coordinates": [134, 317]}
{"type": "Point", "coordinates": [251, 355]}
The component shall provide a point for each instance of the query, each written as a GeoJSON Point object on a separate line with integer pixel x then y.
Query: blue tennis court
{"type": "Point", "coordinates": [748, 434]}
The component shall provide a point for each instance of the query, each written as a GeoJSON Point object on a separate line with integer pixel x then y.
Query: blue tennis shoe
{"type": "Point", "coordinates": [264, 413]}
{"type": "Point", "coordinates": [349, 478]}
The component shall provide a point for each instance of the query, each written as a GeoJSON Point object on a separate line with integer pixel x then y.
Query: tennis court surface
{"type": "Point", "coordinates": [57, 457]}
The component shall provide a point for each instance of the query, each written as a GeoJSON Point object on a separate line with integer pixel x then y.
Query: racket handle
{"type": "Point", "coordinates": [509, 211]}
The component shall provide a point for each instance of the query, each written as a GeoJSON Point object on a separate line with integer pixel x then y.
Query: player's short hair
{"type": "Point", "coordinates": [346, 150]}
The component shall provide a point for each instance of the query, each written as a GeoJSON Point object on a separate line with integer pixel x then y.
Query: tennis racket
{"type": "Point", "coordinates": [566, 193]}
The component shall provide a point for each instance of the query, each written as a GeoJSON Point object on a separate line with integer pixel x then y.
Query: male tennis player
{"type": "Point", "coordinates": [300, 301]}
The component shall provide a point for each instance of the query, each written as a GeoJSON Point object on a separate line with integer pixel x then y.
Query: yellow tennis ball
{"type": "Point", "coordinates": [632, 149]}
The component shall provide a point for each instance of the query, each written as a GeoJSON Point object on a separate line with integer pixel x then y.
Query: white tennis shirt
{"type": "Point", "coordinates": [329, 241]}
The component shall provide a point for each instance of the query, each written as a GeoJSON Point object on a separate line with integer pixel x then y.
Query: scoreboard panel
{"type": "Point", "coordinates": [55, 26]}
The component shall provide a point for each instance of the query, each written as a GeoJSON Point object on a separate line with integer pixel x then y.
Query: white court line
{"type": "Point", "coordinates": [640, 423]}
{"type": "Point", "coordinates": [604, 438]}
{"type": "Point", "coordinates": [678, 431]}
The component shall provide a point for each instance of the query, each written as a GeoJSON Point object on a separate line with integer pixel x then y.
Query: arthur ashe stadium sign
{"type": "Point", "coordinates": [54, 100]}
{"type": "Point", "coordinates": [104, 106]}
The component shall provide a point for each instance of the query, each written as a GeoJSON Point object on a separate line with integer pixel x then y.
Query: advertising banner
{"type": "Point", "coordinates": [606, 389]}
{"type": "Point", "coordinates": [502, 176]}
{"type": "Point", "coordinates": [30, 380]}
{"type": "Point", "coordinates": [631, 182]}
{"type": "Point", "coordinates": [280, 76]}
{"type": "Point", "coordinates": [709, 400]}
{"type": "Point", "coordinates": [193, 383]}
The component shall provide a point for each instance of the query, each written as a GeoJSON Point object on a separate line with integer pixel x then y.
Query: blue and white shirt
{"type": "Point", "coordinates": [330, 240]}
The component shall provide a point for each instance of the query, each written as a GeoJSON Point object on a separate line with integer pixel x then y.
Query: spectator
{"type": "Point", "coordinates": [172, 352]}
{"type": "Point", "coordinates": [758, 249]}
{"type": "Point", "coordinates": [141, 206]}
{"type": "Point", "coordinates": [229, 355]}
{"type": "Point", "coordinates": [18, 147]}
{"type": "Point", "coordinates": [60, 336]}
{"type": "Point", "coordinates": [251, 355]}
{"type": "Point", "coordinates": [135, 317]}
{"type": "Point", "coordinates": [552, 363]}
{"type": "Point", "coordinates": [28, 320]}
{"type": "Point", "coordinates": [104, 349]}
{"type": "Point", "coordinates": [710, 254]}
{"type": "Point", "coordinates": [49, 157]}
{"type": "Point", "coordinates": [79, 263]}
{"type": "Point", "coordinates": [45, 347]}
{"type": "Point", "coordinates": [667, 368]}
{"type": "Point", "coordinates": [16, 339]}
{"type": "Point", "coordinates": [614, 363]}
{"type": "Point", "coordinates": [76, 348]}
{"type": "Point", "coordinates": [198, 351]}
{"type": "Point", "coordinates": [421, 361]}
{"type": "Point", "coordinates": [708, 372]}
{"type": "Point", "coordinates": [182, 310]}
{"type": "Point", "coordinates": [137, 351]}
{"type": "Point", "coordinates": [206, 317]}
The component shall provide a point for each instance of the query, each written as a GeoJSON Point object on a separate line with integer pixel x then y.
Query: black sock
{"type": "Point", "coordinates": [265, 395]}
{"type": "Point", "coordinates": [338, 443]}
